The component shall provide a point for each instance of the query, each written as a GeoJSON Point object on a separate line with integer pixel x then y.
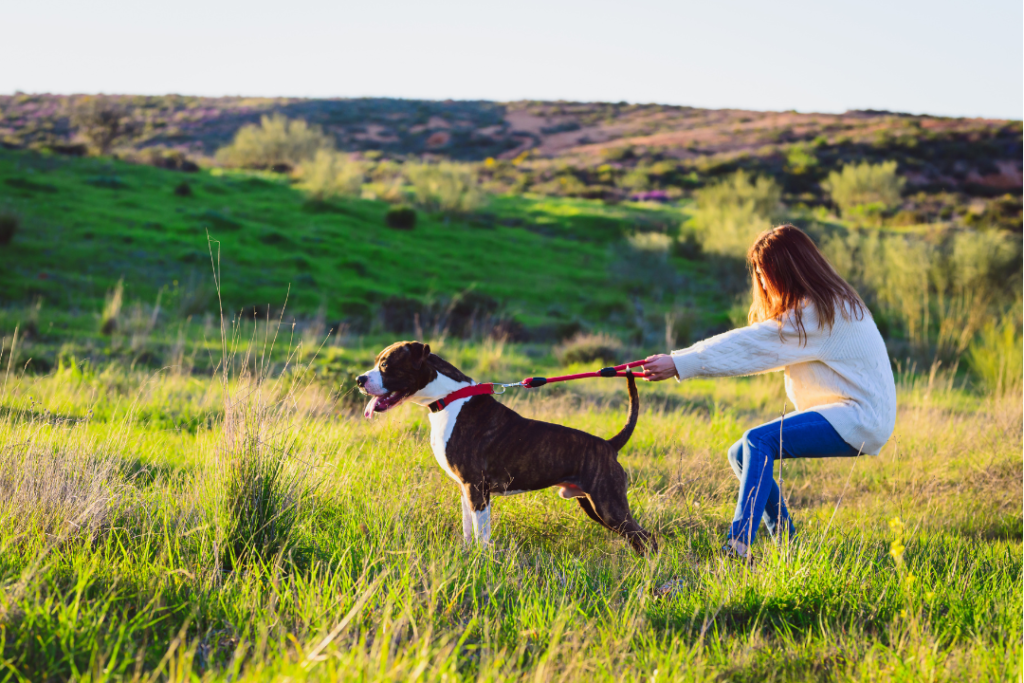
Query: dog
{"type": "Point", "coordinates": [490, 450]}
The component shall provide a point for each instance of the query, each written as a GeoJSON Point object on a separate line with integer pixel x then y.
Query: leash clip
{"type": "Point", "coordinates": [500, 388]}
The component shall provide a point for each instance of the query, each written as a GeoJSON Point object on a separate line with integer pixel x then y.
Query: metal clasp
{"type": "Point", "coordinates": [497, 385]}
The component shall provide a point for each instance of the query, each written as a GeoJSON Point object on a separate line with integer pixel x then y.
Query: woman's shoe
{"type": "Point", "coordinates": [738, 550]}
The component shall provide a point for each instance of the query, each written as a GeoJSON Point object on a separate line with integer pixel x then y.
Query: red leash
{"type": "Point", "coordinates": [617, 371]}
{"type": "Point", "coordinates": [529, 383]}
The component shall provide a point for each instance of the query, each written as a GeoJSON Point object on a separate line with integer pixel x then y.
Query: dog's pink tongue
{"type": "Point", "coordinates": [368, 413]}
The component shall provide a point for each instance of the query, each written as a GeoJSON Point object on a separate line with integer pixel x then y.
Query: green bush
{"type": "Point", "coordinates": [732, 212]}
{"type": "Point", "coordinates": [9, 224]}
{"type": "Point", "coordinates": [865, 189]}
{"type": "Point", "coordinates": [448, 187]}
{"type": "Point", "coordinates": [401, 218]}
{"type": "Point", "coordinates": [277, 142]}
{"type": "Point", "coordinates": [997, 355]}
{"type": "Point", "coordinates": [330, 174]}
{"type": "Point", "coordinates": [588, 348]}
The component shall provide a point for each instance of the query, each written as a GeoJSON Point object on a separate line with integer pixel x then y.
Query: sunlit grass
{"type": "Point", "coordinates": [374, 582]}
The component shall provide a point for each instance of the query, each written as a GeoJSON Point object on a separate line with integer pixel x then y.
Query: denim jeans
{"type": "Point", "coordinates": [805, 435]}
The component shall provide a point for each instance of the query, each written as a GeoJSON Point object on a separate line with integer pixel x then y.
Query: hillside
{"type": "Point", "coordinates": [543, 264]}
{"type": "Point", "coordinates": [675, 146]}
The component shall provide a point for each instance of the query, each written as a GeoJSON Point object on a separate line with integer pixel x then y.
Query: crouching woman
{"type": "Point", "coordinates": [806, 320]}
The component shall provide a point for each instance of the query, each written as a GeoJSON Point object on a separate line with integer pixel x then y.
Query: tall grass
{"type": "Point", "coordinates": [384, 590]}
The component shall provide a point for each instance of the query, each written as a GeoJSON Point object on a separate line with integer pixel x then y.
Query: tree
{"type": "Point", "coordinates": [101, 121]}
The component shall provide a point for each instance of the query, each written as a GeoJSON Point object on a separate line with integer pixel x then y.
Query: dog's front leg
{"type": "Point", "coordinates": [467, 519]}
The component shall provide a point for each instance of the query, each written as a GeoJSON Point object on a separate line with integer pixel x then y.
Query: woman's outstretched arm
{"type": "Point", "coordinates": [748, 350]}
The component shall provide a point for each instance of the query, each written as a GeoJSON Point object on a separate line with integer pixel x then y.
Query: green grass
{"type": "Point", "coordinates": [89, 222]}
{"type": "Point", "coordinates": [115, 516]}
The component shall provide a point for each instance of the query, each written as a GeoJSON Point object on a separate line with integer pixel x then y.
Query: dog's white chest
{"type": "Point", "coordinates": [441, 425]}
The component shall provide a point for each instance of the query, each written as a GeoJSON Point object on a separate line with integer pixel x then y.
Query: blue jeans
{"type": "Point", "coordinates": [805, 435]}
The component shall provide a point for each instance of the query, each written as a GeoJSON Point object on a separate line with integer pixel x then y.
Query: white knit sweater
{"type": "Point", "coordinates": [842, 373]}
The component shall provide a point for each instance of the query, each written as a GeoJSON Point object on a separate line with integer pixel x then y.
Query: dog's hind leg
{"type": "Point", "coordinates": [467, 518]}
{"type": "Point", "coordinates": [480, 511]}
{"type": "Point", "coordinates": [482, 526]}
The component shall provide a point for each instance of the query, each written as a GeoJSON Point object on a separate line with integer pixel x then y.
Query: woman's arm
{"type": "Point", "coordinates": [745, 351]}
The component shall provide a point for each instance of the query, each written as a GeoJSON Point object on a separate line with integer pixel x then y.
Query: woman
{"type": "Point", "coordinates": [804, 319]}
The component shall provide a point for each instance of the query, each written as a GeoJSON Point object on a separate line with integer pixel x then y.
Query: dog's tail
{"type": "Point", "coordinates": [620, 439]}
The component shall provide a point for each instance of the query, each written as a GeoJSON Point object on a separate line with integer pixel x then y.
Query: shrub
{"type": "Point", "coordinates": [588, 348]}
{"type": "Point", "coordinates": [636, 180]}
{"type": "Point", "coordinates": [183, 189]}
{"type": "Point", "coordinates": [800, 158]}
{"type": "Point", "coordinates": [731, 213]}
{"type": "Point", "coordinates": [865, 188]}
{"type": "Point", "coordinates": [997, 355]}
{"type": "Point", "coordinates": [448, 187]}
{"type": "Point", "coordinates": [277, 142]}
{"type": "Point", "coordinates": [401, 218]}
{"type": "Point", "coordinates": [688, 245]}
{"type": "Point", "coordinates": [330, 174]}
{"type": "Point", "coordinates": [9, 224]}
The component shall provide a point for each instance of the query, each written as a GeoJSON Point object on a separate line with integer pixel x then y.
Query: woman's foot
{"type": "Point", "coordinates": [738, 550]}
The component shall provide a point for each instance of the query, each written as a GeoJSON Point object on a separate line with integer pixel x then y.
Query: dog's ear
{"type": "Point", "coordinates": [420, 352]}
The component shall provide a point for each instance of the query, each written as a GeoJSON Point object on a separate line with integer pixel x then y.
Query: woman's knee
{"type": "Point", "coordinates": [763, 440]}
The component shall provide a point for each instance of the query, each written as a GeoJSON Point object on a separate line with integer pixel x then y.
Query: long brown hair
{"type": "Point", "coordinates": [793, 270]}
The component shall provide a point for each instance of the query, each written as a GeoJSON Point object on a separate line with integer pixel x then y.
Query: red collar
{"type": "Point", "coordinates": [472, 390]}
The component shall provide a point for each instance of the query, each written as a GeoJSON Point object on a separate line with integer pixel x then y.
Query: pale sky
{"type": "Point", "coordinates": [938, 57]}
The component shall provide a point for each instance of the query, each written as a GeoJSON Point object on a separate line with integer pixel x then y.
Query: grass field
{"type": "Point", "coordinates": [124, 554]}
{"type": "Point", "coordinates": [89, 223]}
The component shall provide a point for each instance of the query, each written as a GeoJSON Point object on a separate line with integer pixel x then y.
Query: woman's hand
{"type": "Point", "coordinates": [659, 367]}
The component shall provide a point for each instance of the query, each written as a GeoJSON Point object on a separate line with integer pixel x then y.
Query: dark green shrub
{"type": "Point", "coordinates": [9, 224]}
{"type": "Point", "coordinates": [218, 220]}
{"type": "Point", "coordinates": [183, 189]}
{"type": "Point", "coordinates": [109, 182]}
{"type": "Point", "coordinates": [401, 218]}
{"type": "Point", "coordinates": [688, 246]}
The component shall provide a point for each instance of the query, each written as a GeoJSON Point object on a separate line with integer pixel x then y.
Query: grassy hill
{"type": "Point", "coordinates": [948, 162]}
{"type": "Point", "coordinates": [541, 266]}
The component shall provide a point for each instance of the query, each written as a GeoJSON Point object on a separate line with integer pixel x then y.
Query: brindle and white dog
{"type": "Point", "coordinates": [490, 450]}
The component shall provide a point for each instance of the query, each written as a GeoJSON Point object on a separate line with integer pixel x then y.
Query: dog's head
{"type": "Point", "coordinates": [402, 370]}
